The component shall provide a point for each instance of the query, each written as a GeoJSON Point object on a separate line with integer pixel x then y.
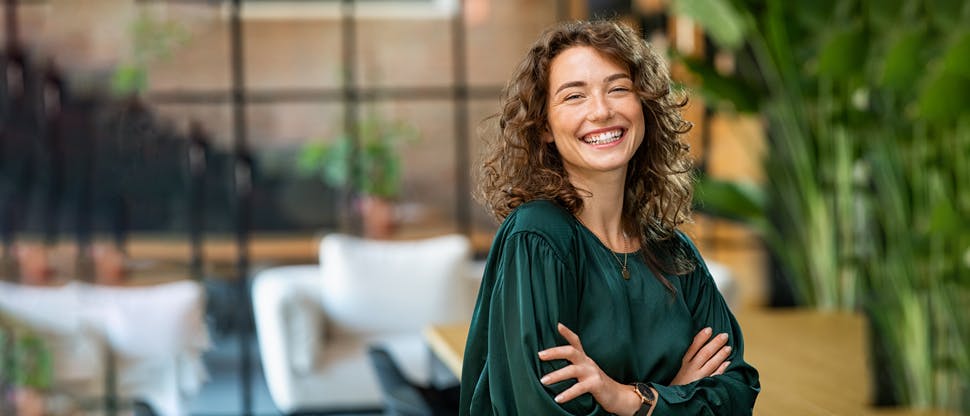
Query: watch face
{"type": "Point", "coordinates": [645, 391]}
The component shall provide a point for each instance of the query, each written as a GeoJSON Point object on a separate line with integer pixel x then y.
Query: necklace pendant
{"type": "Point", "coordinates": [626, 273]}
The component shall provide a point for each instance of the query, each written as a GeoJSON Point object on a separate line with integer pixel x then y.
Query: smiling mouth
{"type": "Point", "coordinates": [604, 137]}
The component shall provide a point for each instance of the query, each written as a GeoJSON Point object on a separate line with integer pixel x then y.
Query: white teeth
{"type": "Point", "coordinates": [603, 138]}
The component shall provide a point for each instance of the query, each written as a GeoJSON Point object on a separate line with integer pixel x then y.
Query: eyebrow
{"type": "Point", "coordinates": [608, 79]}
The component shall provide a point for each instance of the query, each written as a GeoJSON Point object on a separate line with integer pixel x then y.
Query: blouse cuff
{"type": "Point", "coordinates": [668, 395]}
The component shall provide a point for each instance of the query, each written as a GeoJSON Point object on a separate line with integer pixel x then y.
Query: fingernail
{"type": "Point", "coordinates": [723, 335]}
{"type": "Point", "coordinates": [544, 380]}
{"type": "Point", "coordinates": [727, 348]}
{"type": "Point", "coordinates": [707, 331]}
{"type": "Point", "coordinates": [728, 364]}
{"type": "Point", "coordinates": [542, 353]}
{"type": "Point", "coordinates": [559, 399]}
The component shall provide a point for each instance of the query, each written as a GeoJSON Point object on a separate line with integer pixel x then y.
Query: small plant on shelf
{"type": "Point", "coordinates": [374, 175]}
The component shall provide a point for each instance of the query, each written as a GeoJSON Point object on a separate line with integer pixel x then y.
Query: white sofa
{"type": "Point", "coordinates": [156, 334]}
{"type": "Point", "coordinates": [314, 323]}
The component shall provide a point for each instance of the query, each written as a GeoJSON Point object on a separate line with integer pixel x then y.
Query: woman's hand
{"type": "Point", "coordinates": [703, 360]}
{"type": "Point", "coordinates": [614, 397]}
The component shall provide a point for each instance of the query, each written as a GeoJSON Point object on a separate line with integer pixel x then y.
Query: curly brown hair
{"type": "Point", "coordinates": [520, 167]}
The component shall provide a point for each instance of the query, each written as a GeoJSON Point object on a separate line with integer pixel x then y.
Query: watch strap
{"type": "Point", "coordinates": [647, 398]}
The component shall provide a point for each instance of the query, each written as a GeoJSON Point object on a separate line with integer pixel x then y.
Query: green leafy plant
{"type": "Point", "coordinates": [152, 39]}
{"type": "Point", "coordinates": [25, 359]}
{"type": "Point", "coordinates": [376, 170]}
{"type": "Point", "coordinates": [866, 196]}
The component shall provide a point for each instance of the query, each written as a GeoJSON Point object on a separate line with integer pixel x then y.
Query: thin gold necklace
{"type": "Point", "coordinates": [624, 271]}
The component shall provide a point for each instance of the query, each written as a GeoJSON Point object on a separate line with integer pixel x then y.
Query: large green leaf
{"type": "Point", "coordinates": [944, 98]}
{"type": "Point", "coordinates": [844, 53]}
{"type": "Point", "coordinates": [886, 14]}
{"type": "Point", "coordinates": [947, 14]}
{"type": "Point", "coordinates": [944, 220]}
{"type": "Point", "coordinates": [902, 68]}
{"type": "Point", "coordinates": [739, 201]}
{"type": "Point", "coordinates": [956, 59]}
{"type": "Point", "coordinates": [719, 18]}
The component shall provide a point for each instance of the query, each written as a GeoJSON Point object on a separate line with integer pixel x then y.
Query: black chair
{"type": "Point", "coordinates": [405, 398]}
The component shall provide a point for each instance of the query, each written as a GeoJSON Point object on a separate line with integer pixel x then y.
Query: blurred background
{"type": "Point", "coordinates": [145, 143]}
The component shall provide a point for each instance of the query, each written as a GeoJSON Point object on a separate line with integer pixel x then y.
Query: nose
{"type": "Point", "coordinates": [600, 109]}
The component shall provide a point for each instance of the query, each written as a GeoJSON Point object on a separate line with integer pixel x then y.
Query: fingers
{"type": "Point", "coordinates": [571, 393]}
{"type": "Point", "coordinates": [710, 349]}
{"type": "Point", "coordinates": [699, 340]}
{"type": "Point", "coordinates": [574, 354]}
{"type": "Point", "coordinates": [722, 368]}
{"type": "Point", "coordinates": [570, 337]}
{"type": "Point", "coordinates": [706, 356]}
{"type": "Point", "coordinates": [561, 374]}
{"type": "Point", "coordinates": [565, 352]}
{"type": "Point", "coordinates": [716, 361]}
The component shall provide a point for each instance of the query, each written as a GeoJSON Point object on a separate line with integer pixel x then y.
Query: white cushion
{"type": "Point", "coordinates": [314, 330]}
{"type": "Point", "coordinates": [378, 287]}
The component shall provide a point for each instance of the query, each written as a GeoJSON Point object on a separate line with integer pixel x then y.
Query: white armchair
{"type": "Point", "coordinates": [314, 323]}
{"type": "Point", "coordinates": [156, 334]}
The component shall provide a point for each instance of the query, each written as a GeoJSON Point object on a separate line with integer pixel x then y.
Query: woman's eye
{"type": "Point", "coordinates": [572, 97]}
{"type": "Point", "coordinates": [620, 89]}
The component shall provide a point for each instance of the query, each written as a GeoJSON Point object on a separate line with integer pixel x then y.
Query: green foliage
{"type": "Point", "coordinates": [152, 40]}
{"type": "Point", "coordinates": [377, 170]}
{"type": "Point", "coordinates": [739, 201]}
{"type": "Point", "coordinates": [25, 359]}
{"type": "Point", "coordinates": [868, 168]}
{"type": "Point", "coordinates": [128, 79]}
{"type": "Point", "coordinates": [716, 16]}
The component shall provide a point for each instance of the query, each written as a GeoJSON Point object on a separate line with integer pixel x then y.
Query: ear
{"type": "Point", "coordinates": [547, 135]}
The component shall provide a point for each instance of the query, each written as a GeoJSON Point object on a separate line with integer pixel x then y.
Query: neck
{"type": "Point", "coordinates": [602, 209]}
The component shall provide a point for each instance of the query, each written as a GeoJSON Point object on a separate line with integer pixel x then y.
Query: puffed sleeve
{"type": "Point", "coordinates": [731, 393]}
{"type": "Point", "coordinates": [528, 289]}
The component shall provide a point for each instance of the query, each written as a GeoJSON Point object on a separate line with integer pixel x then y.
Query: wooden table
{"type": "Point", "coordinates": [811, 363]}
{"type": "Point", "coordinates": [447, 342]}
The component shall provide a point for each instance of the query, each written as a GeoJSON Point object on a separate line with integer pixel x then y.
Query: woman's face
{"type": "Point", "coordinates": [595, 117]}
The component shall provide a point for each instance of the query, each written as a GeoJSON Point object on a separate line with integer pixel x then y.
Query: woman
{"type": "Point", "coordinates": [592, 302]}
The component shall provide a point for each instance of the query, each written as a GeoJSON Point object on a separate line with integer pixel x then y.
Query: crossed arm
{"type": "Point", "coordinates": [706, 356]}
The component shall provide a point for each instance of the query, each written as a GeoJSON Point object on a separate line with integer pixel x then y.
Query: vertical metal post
{"type": "Point", "coordinates": [460, 67]}
{"type": "Point", "coordinates": [348, 27]}
{"type": "Point", "coordinates": [110, 382]}
{"type": "Point", "coordinates": [10, 18]}
{"type": "Point", "coordinates": [54, 96]}
{"type": "Point", "coordinates": [242, 184]}
{"type": "Point", "coordinates": [197, 154]}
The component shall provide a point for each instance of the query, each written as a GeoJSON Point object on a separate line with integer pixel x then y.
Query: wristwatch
{"type": "Point", "coordinates": [647, 398]}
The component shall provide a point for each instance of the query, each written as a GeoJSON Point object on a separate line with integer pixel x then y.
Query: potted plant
{"type": "Point", "coordinates": [26, 370]}
{"type": "Point", "coordinates": [375, 175]}
{"type": "Point", "coordinates": [866, 198]}
{"type": "Point", "coordinates": [152, 39]}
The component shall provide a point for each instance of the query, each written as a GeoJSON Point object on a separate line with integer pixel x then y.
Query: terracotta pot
{"type": "Point", "coordinates": [35, 268]}
{"type": "Point", "coordinates": [28, 402]}
{"type": "Point", "coordinates": [378, 217]}
{"type": "Point", "coordinates": [109, 266]}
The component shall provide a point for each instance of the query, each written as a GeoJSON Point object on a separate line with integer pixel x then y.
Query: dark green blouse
{"type": "Point", "coordinates": [545, 267]}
